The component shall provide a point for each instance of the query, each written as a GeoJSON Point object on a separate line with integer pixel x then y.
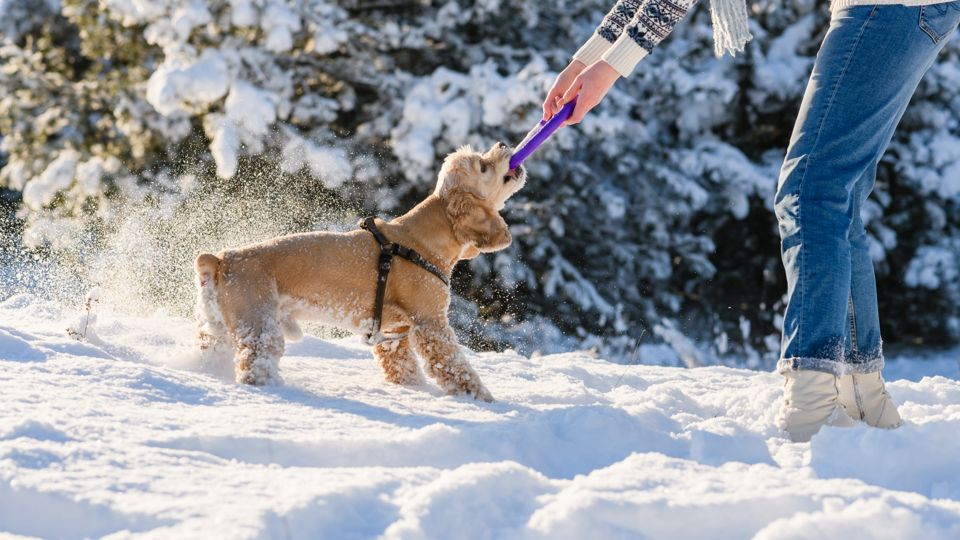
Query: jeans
{"type": "Point", "coordinates": [869, 65]}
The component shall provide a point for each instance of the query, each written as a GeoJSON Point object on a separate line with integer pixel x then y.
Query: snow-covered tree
{"type": "Point", "coordinates": [154, 129]}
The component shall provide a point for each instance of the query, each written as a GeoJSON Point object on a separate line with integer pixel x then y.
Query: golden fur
{"type": "Point", "coordinates": [251, 297]}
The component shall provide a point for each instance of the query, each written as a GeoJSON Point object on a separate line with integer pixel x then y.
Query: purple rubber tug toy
{"type": "Point", "coordinates": [541, 133]}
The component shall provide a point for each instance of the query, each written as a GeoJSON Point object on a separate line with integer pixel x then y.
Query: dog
{"type": "Point", "coordinates": [250, 298]}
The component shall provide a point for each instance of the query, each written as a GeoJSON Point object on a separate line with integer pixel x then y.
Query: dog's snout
{"type": "Point", "coordinates": [501, 144]}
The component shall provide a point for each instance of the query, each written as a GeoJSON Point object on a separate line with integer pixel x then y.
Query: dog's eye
{"type": "Point", "coordinates": [483, 167]}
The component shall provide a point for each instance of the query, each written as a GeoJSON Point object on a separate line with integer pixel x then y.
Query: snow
{"type": "Point", "coordinates": [328, 40]}
{"type": "Point", "coordinates": [784, 71]}
{"type": "Point", "coordinates": [89, 174]}
{"type": "Point", "coordinates": [129, 433]}
{"type": "Point", "coordinates": [449, 107]}
{"type": "Point", "coordinates": [225, 147]}
{"type": "Point", "coordinates": [331, 165]}
{"type": "Point", "coordinates": [674, 157]}
{"type": "Point", "coordinates": [279, 23]}
{"type": "Point", "coordinates": [251, 108]}
{"type": "Point", "coordinates": [250, 111]}
{"type": "Point", "coordinates": [57, 177]}
{"type": "Point", "coordinates": [133, 12]}
{"type": "Point", "coordinates": [940, 156]}
{"type": "Point", "coordinates": [249, 114]}
{"type": "Point", "coordinates": [187, 17]}
{"type": "Point", "coordinates": [243, 13]}
{"type": "Point", "coordinates": [182, 84]}
{"type": "Point", "coordinates": [931, 266]}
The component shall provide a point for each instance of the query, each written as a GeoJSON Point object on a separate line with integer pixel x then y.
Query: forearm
{"type": "Point", "coordinates": [611, 28]}
{"type": "Point", "coordinates": [631, 30]}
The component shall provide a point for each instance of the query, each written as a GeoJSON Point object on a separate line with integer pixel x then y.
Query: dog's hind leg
{"type": "Point", "coordinates": [259, 343]}
{"type": "Point", "coordinates": [212, 337]}
{"type": "Point", "coordinates": [249, 305]}
{"type": "Point", "coordinates": [438, 346]}
{"type": "Point", "coordinates": [399, 362]}
{"type": "Point", "coordinates": [211, 330]}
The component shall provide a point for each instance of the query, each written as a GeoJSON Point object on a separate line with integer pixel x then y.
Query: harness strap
{"type": "Point", "coordinates": [388, 250]}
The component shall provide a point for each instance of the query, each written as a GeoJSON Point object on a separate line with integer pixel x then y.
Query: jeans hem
{"type": "Point", "coordinates": [825, 365]}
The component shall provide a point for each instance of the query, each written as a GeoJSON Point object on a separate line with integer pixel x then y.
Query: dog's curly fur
{"type": "Point", "coordinates": [251, 297]}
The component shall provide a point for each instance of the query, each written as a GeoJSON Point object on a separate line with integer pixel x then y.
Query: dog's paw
{"type": "Point", "coordinates": [261, 374]}
{"type": "Point", "coordinates": [483, 394]}
{"type": "Point", "coordinates": [254, 380]}
{"type": "Point", "coordinates": [474, 387]}
{"type": "Point", "coordinates": [475, 390]}
{"type": "Point", "coordinates": [405, 378]}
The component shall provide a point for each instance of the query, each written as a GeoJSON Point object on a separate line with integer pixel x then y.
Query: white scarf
{"type": "Point", "coordinates": [731, 31]}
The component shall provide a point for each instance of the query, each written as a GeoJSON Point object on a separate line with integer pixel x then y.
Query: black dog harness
{"type": "Point", "coordinates": [387, 251]}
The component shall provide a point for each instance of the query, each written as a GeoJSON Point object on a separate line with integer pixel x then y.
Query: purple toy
{"type": "Point", "coordinates": [541, 133]}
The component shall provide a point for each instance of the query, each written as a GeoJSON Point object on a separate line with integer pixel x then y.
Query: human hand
{"type": "Point", "coordinates": [552, 102]}
{"type": "Point", "coordinates": [592, 85]}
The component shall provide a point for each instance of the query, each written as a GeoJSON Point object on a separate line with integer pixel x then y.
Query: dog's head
{"type": "Point", "coordinates": [475, 186]}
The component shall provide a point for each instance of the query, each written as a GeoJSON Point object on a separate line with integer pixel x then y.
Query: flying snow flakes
{"type": "Point", "coordinates": [330, 164]}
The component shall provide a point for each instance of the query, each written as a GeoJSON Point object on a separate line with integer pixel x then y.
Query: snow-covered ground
{"type": "Point", "coordinates": [129, 435]}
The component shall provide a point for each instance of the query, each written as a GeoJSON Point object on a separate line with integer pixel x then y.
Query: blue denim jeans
{"type": "Point", "coordinates": [869, 65]}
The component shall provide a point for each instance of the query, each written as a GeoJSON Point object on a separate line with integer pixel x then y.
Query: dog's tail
{"type": "Point", "coordinates": [210, 324]}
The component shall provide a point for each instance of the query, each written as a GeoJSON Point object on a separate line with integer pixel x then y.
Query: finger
{"type": "Point", "coordinates": [573, 90]}
{"type": "Point", "coordinates": [548, 104]}
{"type": "Point", "coordinates": [552, 104]}
{"type": "Point", "coordinates": [579, 112]}
{"type": "Point", "coordinates": [577, 116]}
{"type": "Point", "coordinates": [552, 109]}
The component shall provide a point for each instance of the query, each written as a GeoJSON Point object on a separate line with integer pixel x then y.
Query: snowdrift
{"type": "Point", "coordinates": [128, 434]}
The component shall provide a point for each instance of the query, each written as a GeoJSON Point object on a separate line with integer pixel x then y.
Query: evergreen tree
{"type": "Point", "coordinates": [651, 221]}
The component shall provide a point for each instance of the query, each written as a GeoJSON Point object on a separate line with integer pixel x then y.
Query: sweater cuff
{"type": "Point", "coordinates": [624, 55]}
{"type": "Point", "coordinates": [592, 50]}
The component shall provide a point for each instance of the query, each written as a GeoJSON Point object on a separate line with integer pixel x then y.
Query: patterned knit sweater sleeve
{"type": "Point", "coordinates": [631, 30]}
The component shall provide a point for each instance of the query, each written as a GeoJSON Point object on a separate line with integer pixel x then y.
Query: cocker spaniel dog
{"type": "Point", "coordinates": [250, 298]}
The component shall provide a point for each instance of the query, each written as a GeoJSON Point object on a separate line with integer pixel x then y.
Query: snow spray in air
{"type": "Point", "coordinates": [140, 252]}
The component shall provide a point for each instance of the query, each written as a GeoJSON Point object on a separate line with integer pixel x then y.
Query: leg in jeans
{"type": "Point", "coordinates": [863, 342]}
{"type": "Point", "coordinates": [861, 393]}
{"type": "Point", "coordinates": [869, 65]}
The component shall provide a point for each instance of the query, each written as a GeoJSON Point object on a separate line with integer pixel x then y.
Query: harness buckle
{"type": "Point", "coordinates": [386, 261]}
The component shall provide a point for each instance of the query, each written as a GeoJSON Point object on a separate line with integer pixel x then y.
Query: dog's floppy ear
{"type": "Point", "coordinates": [453, 172]}
{"type": "Point", "coordinates": [469, 252]}
{"type": "Point", "coordinates": [476, 223]}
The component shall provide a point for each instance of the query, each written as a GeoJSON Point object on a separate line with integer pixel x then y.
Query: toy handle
{"type": "Point", "coordinates": [541, 133]}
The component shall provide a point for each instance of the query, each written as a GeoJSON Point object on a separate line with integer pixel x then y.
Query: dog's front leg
{"type": "Point", "coordinates": [399, 363]}
{"type": "Point", "coordinates": [437, 344]}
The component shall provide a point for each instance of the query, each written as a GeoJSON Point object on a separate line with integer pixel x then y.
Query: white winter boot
{"type": "Point", "coordinates": [810, 400]}
{"type": "Point", "coordinates": [865, 398]}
